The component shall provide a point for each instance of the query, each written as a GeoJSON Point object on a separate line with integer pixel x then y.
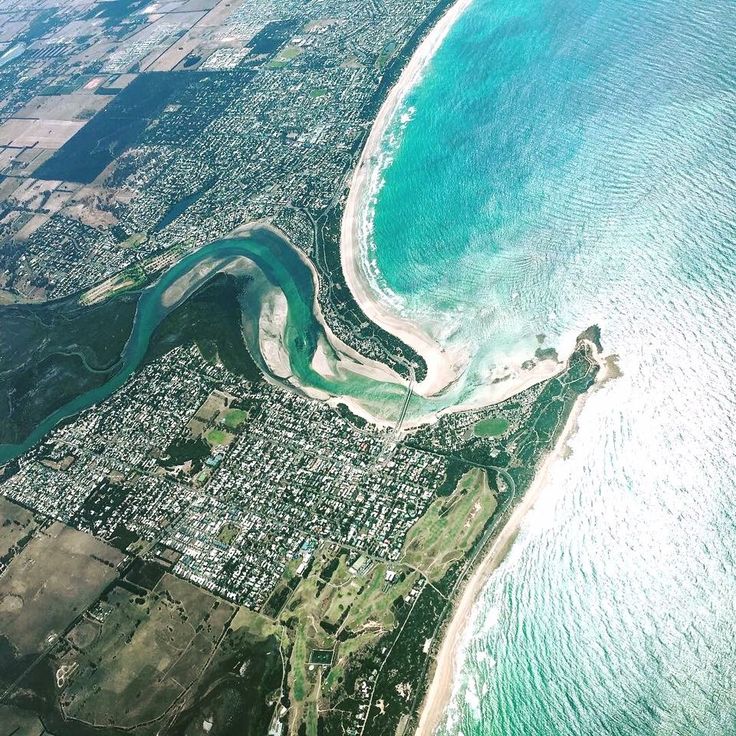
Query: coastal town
{"type": "Point", "coordinates": [270, 476]}
{"type": "Point", "coordinates": [236, 112]}
{"type": "Point", "coordinates": [317, 529]}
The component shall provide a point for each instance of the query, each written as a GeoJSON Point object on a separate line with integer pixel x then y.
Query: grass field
{"type": "Point", "coordinates": [234, 418]}
{"type": "Point", "coordinates": [298, 664]}
{"type": "Point", "coordinates": [311, 721]}
{"type": "Point", "coordinates": [258, 626]}
{"type": "Point", "coordinates": [491, 427]}
{"type": "Point", "coordinates": [16, 525]}
{"type": "Point", "coordinates": [15, 722]}
{"type": "Point", "coordinates": [227, 533]}
{"type": "Point", "coordinates": [150, 649]}
{"type": "Point", "coordinates": [284, 57]}
{"type": "Point", "coordinates": [219, 437]}
{"type": "Point", "coordinates": [447, 530]}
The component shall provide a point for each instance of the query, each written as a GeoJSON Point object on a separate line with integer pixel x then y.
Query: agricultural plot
{"type": "Point", "coordinates": [16, 526]}
{"type": "Point", "coordinates": [150, 649]}
{"type": "Point", "coordinates": [55, 578]}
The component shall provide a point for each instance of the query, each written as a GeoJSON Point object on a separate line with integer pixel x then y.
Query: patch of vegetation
{"type": "Point", "coordinates": [346, 413]}
{"type": "Point", "coordinates": [491, 427]}
{"type": "Point", "coordinates": [284, 57]}
{"type": "Point", "coordinates": [145, 573]}
{"type": "Point", "coordinates": [53, 352]}
{"type": "Point", "coordinates": [385, 54]}
{"type": "Point", "coordinates": [211, 319]}
{"type": "Point", "coordinates": [218, 437]}
{"type": "Point", "coordinates": [456, 469]}
{"type": "Point", "coordinates": [227, 533]}
{"type": "Point", "coordinates": [460, 517]}
{"type": "Point", "coordinates": [183, 450]}
{"type": "Point", "coordinates": [234, 418]}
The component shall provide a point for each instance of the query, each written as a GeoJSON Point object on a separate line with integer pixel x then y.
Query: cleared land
{"type": "Point", "coordinates": [151, 648]}
{"type": "Point", "coordinates": [24, 133]}
{"type": "Point", "coordinates": [16, 722]}
{"type": "Point", "coordinates": [450, 526]}
{"type": "Point", "coordinates": [53, 580]}
{"type": "Point", "coordinates": [16, 526]}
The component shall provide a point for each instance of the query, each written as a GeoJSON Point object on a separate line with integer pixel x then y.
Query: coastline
{"type": "Point", "coordinates": [369, 367]}
{"type": "Point", "coordinates": [443, 675]}
{"type": "Point", "coordinates": [442, 369]}
{"type": "Point", "coordinates": [272, 324]}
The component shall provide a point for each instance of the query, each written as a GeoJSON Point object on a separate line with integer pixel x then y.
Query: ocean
{"type": "Point", "coordinates": [559, 164]}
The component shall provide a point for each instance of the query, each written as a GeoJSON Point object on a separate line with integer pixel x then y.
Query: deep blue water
{"type": "Point", "coordinates": [563, 163]}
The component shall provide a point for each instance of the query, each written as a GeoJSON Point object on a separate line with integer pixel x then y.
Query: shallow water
{"type": "Point", "coordinates": [569, 163]}
{"type": "Point", "coordinates": [285, 270]}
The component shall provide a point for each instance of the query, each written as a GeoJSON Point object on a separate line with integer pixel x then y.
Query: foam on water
{"type": "Point", "coordinates": [569, 163]}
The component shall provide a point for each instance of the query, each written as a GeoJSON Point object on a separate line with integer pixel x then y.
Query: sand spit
{"type": "Point", "coordinates": [334, 358]}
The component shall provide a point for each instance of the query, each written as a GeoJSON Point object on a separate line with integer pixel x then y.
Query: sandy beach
{"type": "Point", "coordinates": [344, 360]}
{"type": "Point", "coordinates": [442, 371]}
{"type": "Point", "coordinates": [365, 366]}
{"type": "Point", "coordinates": [441, 687]}
{"type": "Point", "coordinates": [440, 690]}
{"type": "Point", "coordinates": [442, 367]}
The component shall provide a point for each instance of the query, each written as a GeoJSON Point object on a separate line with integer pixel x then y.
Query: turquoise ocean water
{"type": "Point", "coordinates": [563, 163]}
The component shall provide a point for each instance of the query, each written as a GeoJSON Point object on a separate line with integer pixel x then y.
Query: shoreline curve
{"type": "Point", "coordinates": [444, 674]}
{"type": "Point", "coordinates": [442, 369]}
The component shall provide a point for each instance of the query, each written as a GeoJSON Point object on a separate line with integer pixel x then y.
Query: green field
{"type": "Point", "coordinates": [284, 57]}
{"type": "Point", "coordinates": [491, 427]}
{"type": "Point", "coordinates": [219, 437]}
{"type": "Point", "coordinates": [234, 418]}
{"type": "Point", "coordinates": [450, 526]}
{"type": "Point", "coordinates": [227, 533]}
{"type": "Point", "coordinates": [298, 664]}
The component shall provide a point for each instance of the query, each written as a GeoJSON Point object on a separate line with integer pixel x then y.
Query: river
{"type": "Point", "coordinates": [284, 275]}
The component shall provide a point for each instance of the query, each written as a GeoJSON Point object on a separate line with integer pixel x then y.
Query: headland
{"type": "Point", "coordinates": [490, 558]}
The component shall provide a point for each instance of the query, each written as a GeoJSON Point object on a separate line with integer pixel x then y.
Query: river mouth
{"type": "Point", "coordinates": [281, 323]}
{"type": "Point", "coordinates": [288, 338]}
